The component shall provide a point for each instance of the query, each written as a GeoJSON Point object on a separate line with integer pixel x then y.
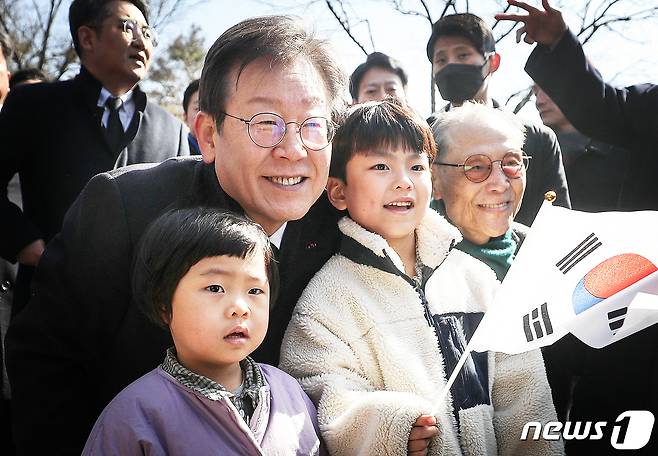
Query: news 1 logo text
{"type": "Point", "coordinates": [630, 431]}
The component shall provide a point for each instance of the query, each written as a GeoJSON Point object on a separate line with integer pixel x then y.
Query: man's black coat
{"type": "Point", "coordinates": [81, 339]}
{"type": "Point", "coordinates": [51, 135]}
{"type": "Point", "coordinates": [625, 117]}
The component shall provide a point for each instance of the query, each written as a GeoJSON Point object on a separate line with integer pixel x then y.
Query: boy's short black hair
{"type": "Point", "coordinates": [179, 239]}
{"type": "Point", "coordinates": [468, 25]}
{"type": "Point", "coordinates": [92, 13]}
{"type": "Point", "coordinates": [191, 89]}
{"type": "Point", "coordinates": [27, 74]}
{"type": "Point", "coordinates": [379, 124]}
{"type": "Point", "coordinates": [376, 60]}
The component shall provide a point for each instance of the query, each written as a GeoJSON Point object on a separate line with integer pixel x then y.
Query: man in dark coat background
{"type": "Point", "coordinates": [595, 170]}
{"type": "Point", "coordinates": [56, 136]}
{"type": "Point", "coordinates": [624, 375]}
{"type": "Point", "coordinates": [81, 339]}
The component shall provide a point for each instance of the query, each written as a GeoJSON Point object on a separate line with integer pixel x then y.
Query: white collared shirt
{"type": "Point", "coordinates": [126, 111]}
{"type": "Point", "coordinates": [277, 236]}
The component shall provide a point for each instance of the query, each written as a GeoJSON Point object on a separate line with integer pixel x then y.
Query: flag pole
{"type": "Point", "coordinates": [453, 375]}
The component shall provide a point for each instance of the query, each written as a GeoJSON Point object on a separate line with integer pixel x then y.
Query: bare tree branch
{"type": "Point", "coordinates": [427, 11]}
{"type": "Point", "coordinates": [504, 34]}
{"type": "Point", "coordinates": [498, 22]}
{"type": "Point", "coordinates": [523, 101]}
{"type": "Point", "coordinates": [603, 20]}
{"type": "Point", "coordinates": [397, 5]}
{"type": "Point", "coordinates": [597, 17]}
{"type": "Point", "coordinates": [449, 3]}
{"type": "Point", "coordinates": [52, 13]}
{"type": "Point", "coordinates": [345, 25]}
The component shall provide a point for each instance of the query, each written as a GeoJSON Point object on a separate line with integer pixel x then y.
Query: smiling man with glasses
{"type": "Point", "coordinates": [268, 93]}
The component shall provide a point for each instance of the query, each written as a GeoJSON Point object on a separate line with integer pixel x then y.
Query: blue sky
{"type": "Point", "coordinates": [625, 57]}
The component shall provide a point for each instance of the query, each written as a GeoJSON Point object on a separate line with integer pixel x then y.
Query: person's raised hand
{"type": "Point", "coordinates": [544, 27]}
{"type": "Point", "coordinates": [421, 433]}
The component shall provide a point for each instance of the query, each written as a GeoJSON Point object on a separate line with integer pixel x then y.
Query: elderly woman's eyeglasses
{"type": "Point", "coordinates": [133, 30]}
{"type": "Point", "coordinates": [477, 168]}
{"type": "Point", "coordinates": [267, 130]}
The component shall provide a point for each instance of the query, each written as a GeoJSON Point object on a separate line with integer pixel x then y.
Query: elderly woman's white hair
{"type": "Point", "coordinates": [471, 116]}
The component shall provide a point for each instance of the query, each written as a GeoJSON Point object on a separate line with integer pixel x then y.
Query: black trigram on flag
{"type": "Point", "coordinates": [537, 323]}
{"type": "Point", "coordinates": [589, 244]}
{"type": "Point", "coordinates": [616, 318]}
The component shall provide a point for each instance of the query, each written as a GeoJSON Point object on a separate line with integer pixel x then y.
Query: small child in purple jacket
{"type": "Point", "coordinates": [210, 277]}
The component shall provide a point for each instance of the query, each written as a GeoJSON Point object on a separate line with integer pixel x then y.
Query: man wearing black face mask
{"type": "Point", "coordinates": [463, 55]}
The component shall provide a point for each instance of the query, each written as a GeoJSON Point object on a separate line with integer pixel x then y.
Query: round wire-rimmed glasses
{"type": "Point", "coordinates": [132, 29]}
{"type": "Point", "coordinates": [267, 129]}
{"type": "Point", "coordinates": [477, 168]}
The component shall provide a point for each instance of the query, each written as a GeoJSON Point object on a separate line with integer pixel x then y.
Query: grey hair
{"type": "Point", "coordinates": [473, 116]}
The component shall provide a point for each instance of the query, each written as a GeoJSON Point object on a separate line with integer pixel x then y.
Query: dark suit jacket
{"type": "Point", "coordinates": [51, 135]}
{"type": "Point", "coordinates": [596, 172]}
{"type": "Point", "coordinates": [545, 171]}
{"type": "Point", "coordinates": [81, 339]}
{"type": "Point", "coordinates": [624, 375]}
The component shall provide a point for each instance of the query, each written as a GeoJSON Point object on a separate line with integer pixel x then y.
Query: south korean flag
{"type": "Point", "coordinates": [591, 274]}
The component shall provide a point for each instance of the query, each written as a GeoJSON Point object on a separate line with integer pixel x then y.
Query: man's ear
{"type": "Point", "coordinates": [436, 192]}
{"type": "Point", "coordinates": [86, 37]}
{"type": "Point", "coordinates": [336, 193]}
{"type": "Point", "coordinates": [204, 130]}
{"type": "Point", "coordinates": [495, 62]}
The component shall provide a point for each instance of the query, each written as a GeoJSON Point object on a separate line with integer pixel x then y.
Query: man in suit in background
{"type": "Point", "coordinates": [190, 109]}
{"type": "Point", "coordinates": [595, 170]}
{"type": "Point", "coordinates": [56, 136]}
{"type": "Point", "coordinates": [380, 76]}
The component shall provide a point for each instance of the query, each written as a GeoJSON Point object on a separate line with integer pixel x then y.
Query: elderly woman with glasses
{"type": "Point", "coordinates": [479, 177]}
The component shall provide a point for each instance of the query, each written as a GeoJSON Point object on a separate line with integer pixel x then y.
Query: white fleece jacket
{"type": "Point", "coordinates": [360, 345]}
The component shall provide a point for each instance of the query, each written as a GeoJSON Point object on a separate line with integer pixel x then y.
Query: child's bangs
{"type": "Point", "coordinates": [390, 129]}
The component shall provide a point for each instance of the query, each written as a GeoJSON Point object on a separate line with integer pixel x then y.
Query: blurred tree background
{"type": "Point", "coordinates": [39, 29]}
{"type": "Point", "coordinates": [40, 36]}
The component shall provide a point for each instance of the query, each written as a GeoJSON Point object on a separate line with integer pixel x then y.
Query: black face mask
{"type": "Point", "coordinates": [458, 82]}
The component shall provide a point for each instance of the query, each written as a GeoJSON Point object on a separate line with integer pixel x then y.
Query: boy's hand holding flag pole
{"type": "Point", "coordinates": [591, 274]}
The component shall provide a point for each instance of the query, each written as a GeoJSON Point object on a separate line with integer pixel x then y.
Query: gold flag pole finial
{"type": "Point", "coordinates": [550, 196]}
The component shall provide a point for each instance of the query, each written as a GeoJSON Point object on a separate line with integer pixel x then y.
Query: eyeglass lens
{"type": "Point", "coordinates": [477, 168]}
{"type": "Point", "coordinates": [134, 29]}
{"type": "Point", "coordinates": [268, 130]}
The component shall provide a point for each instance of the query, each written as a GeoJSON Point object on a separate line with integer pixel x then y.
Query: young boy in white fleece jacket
{"type": "Point", "coordinates": [380, 327]}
